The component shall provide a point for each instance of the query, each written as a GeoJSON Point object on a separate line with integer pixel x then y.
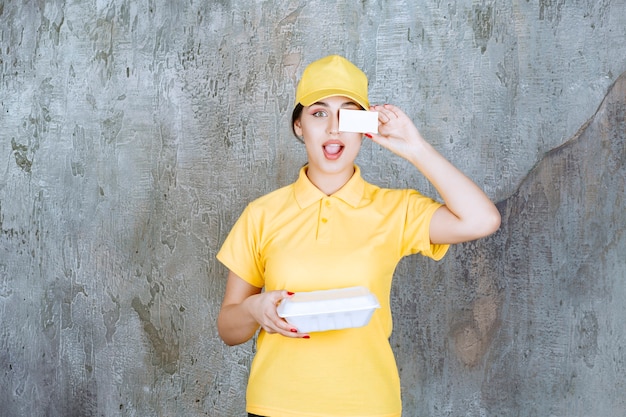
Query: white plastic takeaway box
{"type": "Point", "coordinates": [318, 311]}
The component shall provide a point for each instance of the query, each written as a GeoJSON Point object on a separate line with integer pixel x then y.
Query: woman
{"type": "Point", "coordinates": [331, 229]}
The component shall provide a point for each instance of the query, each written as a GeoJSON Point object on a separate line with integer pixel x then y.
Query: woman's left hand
{"type": "Point", "coordinates": [396, 131]}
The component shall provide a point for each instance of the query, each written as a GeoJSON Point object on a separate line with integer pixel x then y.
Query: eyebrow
{"type": "Point", "coordinates": [345, 104]}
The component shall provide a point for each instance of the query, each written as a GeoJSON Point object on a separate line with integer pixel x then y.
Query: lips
{"type": "Point", "coordinates": [333, 149]}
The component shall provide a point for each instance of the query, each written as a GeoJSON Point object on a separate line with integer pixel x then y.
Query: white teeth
{"type": "Point", "coordinates": [332, 149]}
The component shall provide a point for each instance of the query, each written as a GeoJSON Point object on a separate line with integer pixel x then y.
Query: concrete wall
{"type": "Point", "coordinates": [132, 134]}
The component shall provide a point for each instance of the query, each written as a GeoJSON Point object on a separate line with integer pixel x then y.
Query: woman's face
{"type": "Point", "coordinates": [329, 151]}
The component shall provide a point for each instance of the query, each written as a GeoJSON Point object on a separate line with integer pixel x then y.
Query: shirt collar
{"type": "Point", "coordinates": [306, 193]}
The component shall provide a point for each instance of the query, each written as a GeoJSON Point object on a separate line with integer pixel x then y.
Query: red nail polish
{"type": "Point", "coordinates": [368, 135]}
{"type": "Point", "coordinates": [290, 293]}
{"type": "Point", "coordinates": [293, 330]}
{"type": "Point", "coordinates": [306, 337]}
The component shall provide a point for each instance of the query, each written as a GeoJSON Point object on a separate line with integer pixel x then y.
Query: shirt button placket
{"type": "Point", "coordinates": [324, 228]}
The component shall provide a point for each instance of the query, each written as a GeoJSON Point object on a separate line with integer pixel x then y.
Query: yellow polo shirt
{"type": "Point", "coordinates": [299, 239]}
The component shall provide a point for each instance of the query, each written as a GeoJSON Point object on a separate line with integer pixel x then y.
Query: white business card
{"type": "Point", "coordinates": [360, 121]}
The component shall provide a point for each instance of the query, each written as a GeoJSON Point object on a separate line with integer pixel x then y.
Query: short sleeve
{"type": "Point", "coordinates": [241, 250]}
{"type": "Point", "coordinates": [416, 236]}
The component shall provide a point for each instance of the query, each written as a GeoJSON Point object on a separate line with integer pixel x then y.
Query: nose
{"type": "Point", "coordinates": [333, 124]}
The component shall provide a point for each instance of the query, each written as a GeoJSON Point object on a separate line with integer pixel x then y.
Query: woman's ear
{"type": "Point", "coordinates": [297, 128]}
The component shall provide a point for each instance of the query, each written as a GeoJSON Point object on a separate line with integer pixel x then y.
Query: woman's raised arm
{"type": "Point", "coordinates": [468, 214]}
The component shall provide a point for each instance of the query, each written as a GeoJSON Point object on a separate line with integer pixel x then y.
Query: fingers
{"type": "Point", "coordinates": [396, 132]}
{"type": "Point", "coordinates": [387, 112]}
{"type": "Point", "coordinates": [265, 313]}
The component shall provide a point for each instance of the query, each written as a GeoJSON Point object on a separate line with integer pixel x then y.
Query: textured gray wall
{"type": "Point", "coordinates": [132, 134]}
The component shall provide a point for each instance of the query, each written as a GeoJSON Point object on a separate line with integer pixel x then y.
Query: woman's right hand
{"type": "Point", "coordinates": [263, 308]}
{"type": "Point", "coordinates": [245, 308]}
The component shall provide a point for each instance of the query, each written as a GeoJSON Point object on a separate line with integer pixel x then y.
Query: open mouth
{"type": "Point", "coordinates": [332, 150]}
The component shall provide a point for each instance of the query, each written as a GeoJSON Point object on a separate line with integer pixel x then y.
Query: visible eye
{"type": "Point", "coordinates": [320, 113]}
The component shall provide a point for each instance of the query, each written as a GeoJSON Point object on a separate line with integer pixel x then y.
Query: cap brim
{"type": "Point", "coordinates": [321, 95]}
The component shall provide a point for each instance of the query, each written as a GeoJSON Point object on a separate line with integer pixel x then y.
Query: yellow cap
{"type": "Point", "coordinates": [332, 76]}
